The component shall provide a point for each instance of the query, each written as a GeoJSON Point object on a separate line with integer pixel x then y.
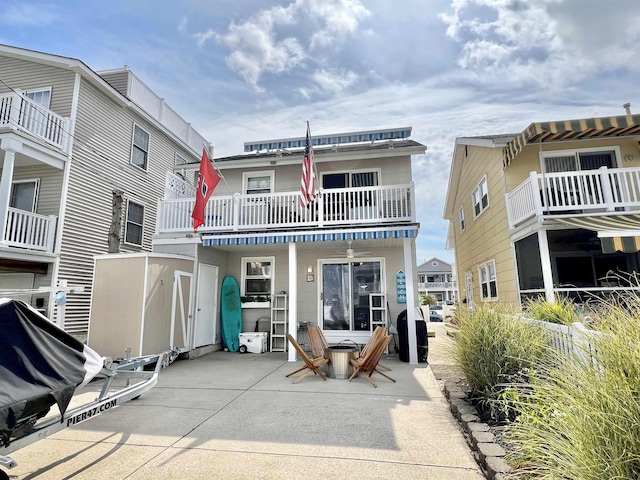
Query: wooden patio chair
{"type": "Point", "coordinates": [317, 341]}
{"type": "Point", "coordinates": [313, 365]}
{"type": "Point", "coordinates": [377, 333]}
{"type": "Point", "coordinates": [368, 365]}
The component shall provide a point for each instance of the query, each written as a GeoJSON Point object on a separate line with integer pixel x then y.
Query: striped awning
{"type": "Point", "coordinates": [620, 244]}
{"type": "Point", "coordinates": [299, 237]}
{"type": "Point", "coordinates": [619, 224]}
{"type": "Point", "coordinates": [587, 128]}
{"type": "Point", "coordinates": [618, 233]}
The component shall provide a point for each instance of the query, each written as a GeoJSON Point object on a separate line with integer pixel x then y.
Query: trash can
{"type": "Point", "coordinates": [339, 357]}
{"type": "Point", "coordinates": [422, 339]}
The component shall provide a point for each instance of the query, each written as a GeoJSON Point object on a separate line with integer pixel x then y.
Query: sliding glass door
{"type": "Point", "coordinates": [346, 286]}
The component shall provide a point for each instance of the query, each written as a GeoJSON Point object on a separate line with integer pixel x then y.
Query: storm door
{"type": "Point", "coordinates": [346, 286]}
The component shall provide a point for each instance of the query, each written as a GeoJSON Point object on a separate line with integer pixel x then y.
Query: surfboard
{"type": "Point", "coordinates": [230, 313]}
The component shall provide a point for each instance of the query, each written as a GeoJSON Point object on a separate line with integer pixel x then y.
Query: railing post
{"type": "Point", "coordinates": [14, 110]}
{"type": "Point", "coordinates": [606, 189]}
{"type": "Point", "coordinates": [535, 190]}
{"type": "Point", "coordinates": [320, 201]}
{"type": "Point", "coordinates": [412, 201]}
{"type": "Point", "coordinates": [236, 211]}
{"type": "Point", "coordinates": [51, 232]}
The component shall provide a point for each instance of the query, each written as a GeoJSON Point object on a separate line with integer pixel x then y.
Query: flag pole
{"type": "Point", "coordinates": [213, 162]}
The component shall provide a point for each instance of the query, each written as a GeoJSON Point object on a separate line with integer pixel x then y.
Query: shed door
{"type": "Point", "coordinates": [206, 324]}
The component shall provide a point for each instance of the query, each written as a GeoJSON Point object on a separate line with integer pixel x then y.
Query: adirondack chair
{"type": "Point", "coordinates": [377, 332]}
{"type": "Point", "coordinates": [368, 365]}
{"type": "Point", "coordinates": [312, 365]}
{"type": "Point", "coordinates": [318, 341]}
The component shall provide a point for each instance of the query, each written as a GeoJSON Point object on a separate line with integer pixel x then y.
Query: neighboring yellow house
{"type": "Point", "coordinates": [553, 210]}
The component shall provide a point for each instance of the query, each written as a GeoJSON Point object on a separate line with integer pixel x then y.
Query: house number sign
{"type": "Point", "coordinates": [401, 286]}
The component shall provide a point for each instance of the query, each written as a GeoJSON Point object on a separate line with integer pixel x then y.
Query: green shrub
{"type": "Point", "coordinates": [562, 311]}
{"type": "Point", "coordinates": [579, 418]}
{"type": "Point", "coordinates": [493, 348]}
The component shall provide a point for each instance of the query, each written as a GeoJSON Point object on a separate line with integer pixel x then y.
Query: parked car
{"type": "Point", "coordinates": [436, 313]}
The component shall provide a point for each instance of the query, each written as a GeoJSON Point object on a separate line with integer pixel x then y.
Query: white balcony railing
{"type": "Point", "coordinates": [18, 112]}
{"type": "Point", "coordinates": [333, 207]}
{"type": "Point", "coordinates": [605, 189]}
{"type": "Point", "coordinates": [30, 230]}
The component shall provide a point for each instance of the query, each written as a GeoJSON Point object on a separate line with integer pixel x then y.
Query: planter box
{"type": "Point", "coordinates": [256, 305]}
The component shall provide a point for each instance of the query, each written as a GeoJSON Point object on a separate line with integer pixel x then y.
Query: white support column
{"type": "Point", "coordinates": [293, 298]}
{"type": "Point", "coordinates": [411, 303]}
{"type": "Point", "coordinates": [10, 147]}
{"type": "Point", "coordinates": [545, 260]}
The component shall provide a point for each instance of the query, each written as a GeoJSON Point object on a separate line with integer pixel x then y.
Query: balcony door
{"type": "Point", "coordinates": [345, 205]}
{"type": "Point", "coordinates": [346, 286]}
{"type": "Point", "coordinates": [583, 188]}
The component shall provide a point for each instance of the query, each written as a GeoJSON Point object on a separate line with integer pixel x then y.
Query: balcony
{"type": "Point", "coordinates": [359, 206]}
{"type": "Point", "coordinates": [20, 113]}
{"type": "Point", "coordinates": [564, 193]}
{"type": "Point", "coordinates": [29, 230]}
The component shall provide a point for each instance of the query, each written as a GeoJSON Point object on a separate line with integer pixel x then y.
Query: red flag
{"type": "Point", "coordinates": [308, 182]}
{"type": "Point", "coordinates": [207, 182]}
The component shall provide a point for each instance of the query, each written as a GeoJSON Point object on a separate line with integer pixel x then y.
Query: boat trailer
{"type": "Point", "coordinates": [138, 374]}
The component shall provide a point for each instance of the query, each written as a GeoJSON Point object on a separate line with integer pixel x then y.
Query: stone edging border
{"type": "Point", "coordinates": [487, 452]}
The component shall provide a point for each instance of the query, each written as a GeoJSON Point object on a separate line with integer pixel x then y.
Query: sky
{"type": "Point", "coordinates": [244, 70]}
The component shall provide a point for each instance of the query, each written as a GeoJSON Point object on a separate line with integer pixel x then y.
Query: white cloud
{"type": "Point", "coordinates": [276, 40]}
{"type": "Point", "coordinates": [332, 82]}
{"type": "Point", "coordinates": [182, 26]}
{"type": "Point", "coordinates": [340, 17]}
{"type": "Point", "coordinates": [549, 43]}
{"type": "Point", "coordinates": [28, 15]}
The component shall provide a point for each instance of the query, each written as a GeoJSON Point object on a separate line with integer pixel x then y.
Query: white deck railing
{"type": "Point", "coordinates": [568, 340]}
{"type": "Point", "coordinates": [18, 112]}
{"type": "Point", "coordinates": [333, 207]}
{"type": "Point", "coordinates": [30, 230]}
{"type": "Point", "coordinates": [602, 190]}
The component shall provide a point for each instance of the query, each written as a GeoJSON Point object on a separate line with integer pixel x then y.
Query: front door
{"type": "Point", "coordinates": [205, 330]}
{"type": "Point", "coordinates": [346, 286]}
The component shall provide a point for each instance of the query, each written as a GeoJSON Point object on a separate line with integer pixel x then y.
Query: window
{"type": "Point", "coordinates": [257, 273]}
{"type": "Point", "coordinates": [140, 147]}
{"type": "Point", "coordinates": [570, 161]}
{"type": "Point", "coordinates": [135, 222]}
{"type": "Point", "coordinates": [461, 218]}
{"type": "Point", "coordinates": [41, 96]}
{"type": "Point", "coordinates": [24, 194]}
{"type": "Point", "coordinates": [258, 182]}
{"type": "Point", "coordinates": [488, 283]}
{"type": "Point", "coordinates": [480, 198]}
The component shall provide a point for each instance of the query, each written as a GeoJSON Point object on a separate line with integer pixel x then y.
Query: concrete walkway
{"type": "Point", "coordinates": [228, 415]}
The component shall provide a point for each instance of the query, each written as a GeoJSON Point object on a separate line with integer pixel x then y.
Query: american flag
{"type": "Point", "coordinates": [308, 182]}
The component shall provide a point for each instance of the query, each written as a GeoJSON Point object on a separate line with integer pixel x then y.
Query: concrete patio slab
{"type": "Point", "coordinates": [228, 415]}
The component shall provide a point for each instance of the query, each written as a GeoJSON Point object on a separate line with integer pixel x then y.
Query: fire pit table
{"type": "Point", "coordinates": [339, 357]}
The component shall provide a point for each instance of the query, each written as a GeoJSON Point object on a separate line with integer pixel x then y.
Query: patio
{"type": "Point", "coordinates": [233, 415]}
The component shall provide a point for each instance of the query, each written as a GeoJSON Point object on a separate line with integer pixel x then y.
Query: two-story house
{"type": "Point", "coordinates": [552, 210]}
{"type": "Point", "coordinates": [436, 278]}
{"type": "Point", "coordinates": [84, 160]}
{"type": "Point", "coordinates": [345, 262]}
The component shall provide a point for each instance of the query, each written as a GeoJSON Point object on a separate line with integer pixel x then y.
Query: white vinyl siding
{"type": "Point", "coordinates": [102, 153]}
